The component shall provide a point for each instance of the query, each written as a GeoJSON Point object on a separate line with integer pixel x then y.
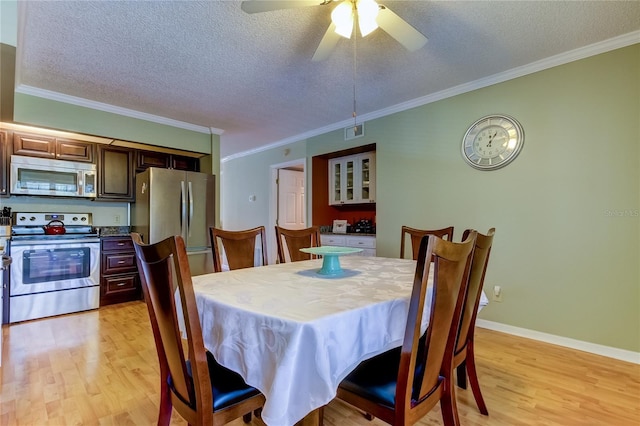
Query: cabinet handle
{"type": "Point", "coordinates": [120, 244]}
{"type": "Point", "coordinates": [120, 284]}
{"type": "Point", "coordinates": [120, 262]}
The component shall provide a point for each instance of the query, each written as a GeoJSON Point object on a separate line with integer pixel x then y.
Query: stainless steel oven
{"type": "Point", "coordinates": [53, 274]}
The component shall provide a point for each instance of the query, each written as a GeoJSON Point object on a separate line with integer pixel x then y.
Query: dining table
{"type": "Point", "coordinates": [295, 334]}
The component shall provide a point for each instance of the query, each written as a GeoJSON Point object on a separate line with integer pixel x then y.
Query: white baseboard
{"type": "Point", "coordinates": [621, 354]}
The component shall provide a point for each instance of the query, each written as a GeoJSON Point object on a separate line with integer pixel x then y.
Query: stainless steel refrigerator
{"type": "Point", "coordinates": [174, 202]}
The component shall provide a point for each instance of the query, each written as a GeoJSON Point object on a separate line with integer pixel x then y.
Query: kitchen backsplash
{"type": "Point", "coordinates": [103, 213]}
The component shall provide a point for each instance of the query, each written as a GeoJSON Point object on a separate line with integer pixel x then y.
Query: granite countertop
{"type": "Point", "coordinates": [328, 230]}
{"type": "Point", "coordinates": [113, 231]}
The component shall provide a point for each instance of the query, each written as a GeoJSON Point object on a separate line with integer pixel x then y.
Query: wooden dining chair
{"type": "Point", "coordinates": [294, 240]}
{"type": "Point", "coordinates": [417, 234]}
{"type": "Point", "coordinates": [238, 246]}
{"type": "Point", "coordinates": [402, 385]}
{"type": "Point", "coordinates": [464, 358]}
{"type": "Point", "coordinates": [202, 391]}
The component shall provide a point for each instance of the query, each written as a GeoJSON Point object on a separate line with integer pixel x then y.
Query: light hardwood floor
{"type": "Point", "coordinates": [100, 368]}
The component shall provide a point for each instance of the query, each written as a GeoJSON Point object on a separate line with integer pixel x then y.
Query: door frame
{"type": "Point", "coordinates": [272, 249]}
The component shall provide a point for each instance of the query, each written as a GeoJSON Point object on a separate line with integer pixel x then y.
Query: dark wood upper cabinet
{"type": "Point", "coordinates": [146, 159]}
{"type": "Point", "coordinates": [115, 173]}
{"type": "Point", "coordinates": [33, 145]}
{"type": "Point", "coordinates": [116, 165]}
{"type": "Point", "coordinates": [185, 163]}
{"type": "Point", "coordinates": [4, 164]}
{"type": "Point", "coordinates": [67, 149]}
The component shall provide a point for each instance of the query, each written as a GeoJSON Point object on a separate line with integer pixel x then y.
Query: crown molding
{"type": "Point", "coordinates": [550, 62]}
{"type": "Point", "coordinates": [99, 106]}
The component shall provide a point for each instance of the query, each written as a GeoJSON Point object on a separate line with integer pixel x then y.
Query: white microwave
{"type": "Point", "coordinates": [42, 176]}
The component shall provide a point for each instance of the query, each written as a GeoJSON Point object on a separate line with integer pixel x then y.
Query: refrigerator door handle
{"type": "Point", "coordinates": [190, 196]}
{"type": "Point", "coordinates": [183, 210]}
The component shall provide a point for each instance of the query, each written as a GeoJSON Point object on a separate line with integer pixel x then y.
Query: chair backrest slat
{"type": "Point", "coordinates": [158, 264]}
{"type": "Point", "coordinates": [294, 240]}
{"type": "Point", "coordinates": [239, 247]}
{"type": "Point", "coordinates": [424, 362]}
{"type": "Point", "coordinates": [476, 281]}
{"type": "Point", "coordinates": [417, 234]}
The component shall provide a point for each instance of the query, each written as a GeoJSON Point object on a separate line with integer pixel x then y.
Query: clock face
{"type": "Point", "coordinates": [492, 142]}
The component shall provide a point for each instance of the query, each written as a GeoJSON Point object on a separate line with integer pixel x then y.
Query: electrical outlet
{"type": "Point", "coordinates": [497, 293]}
{"type": "Point", "coordinates": [116, 218]}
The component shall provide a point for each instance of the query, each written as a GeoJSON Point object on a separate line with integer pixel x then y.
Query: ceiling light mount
{"type": "Point", "coordinates": [364, 11]}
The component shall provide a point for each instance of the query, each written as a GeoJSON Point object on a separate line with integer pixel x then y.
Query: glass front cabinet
{"type": "Point", "coordinates": [352, 179]}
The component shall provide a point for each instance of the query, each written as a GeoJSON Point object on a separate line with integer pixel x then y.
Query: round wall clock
{"type": "Point", "coordinates": [492, 142]}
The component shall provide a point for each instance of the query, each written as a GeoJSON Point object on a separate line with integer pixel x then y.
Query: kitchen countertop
{"type": "Point", "coordinates": [113, 231]}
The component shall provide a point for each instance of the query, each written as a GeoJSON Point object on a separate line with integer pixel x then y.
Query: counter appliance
{"type": "Point", "coordinates": [44, 176]}
{"type": "Point", "coordinates": [364, 226]}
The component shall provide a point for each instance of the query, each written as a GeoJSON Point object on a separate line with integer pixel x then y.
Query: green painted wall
{"type": "Point", "coordinates": [42, 112]}
{"type": "Point", "coordinates": [567, 244]}
{"type": "Point", "coordinates": [251, 175]}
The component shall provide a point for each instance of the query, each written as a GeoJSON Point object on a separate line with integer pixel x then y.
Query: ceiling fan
{"type": "Point", "coordinates": [369, 15]}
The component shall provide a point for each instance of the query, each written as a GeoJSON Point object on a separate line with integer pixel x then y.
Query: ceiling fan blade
{"type": "Point", "coordinates": [400, 29]}
{"type": "Point", "coordinates": [257, 6]}
{"type": "Point", "coordinates": [327, 44]}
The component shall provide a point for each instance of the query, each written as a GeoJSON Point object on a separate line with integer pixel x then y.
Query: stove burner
{"type": "Point", "coordinates": [29, 226]}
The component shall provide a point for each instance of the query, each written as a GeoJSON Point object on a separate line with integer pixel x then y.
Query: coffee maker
{"type": "Point", "coordinates": [364, 226]}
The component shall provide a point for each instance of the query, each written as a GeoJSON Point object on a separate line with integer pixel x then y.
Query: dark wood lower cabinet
{"type": "Point", "coordinates": [119, 280]}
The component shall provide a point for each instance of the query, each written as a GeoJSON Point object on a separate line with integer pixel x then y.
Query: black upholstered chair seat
{"type": "Point", "coordinates": [376, 378]}
{"type": "Point", "coordinates": [228, 388]}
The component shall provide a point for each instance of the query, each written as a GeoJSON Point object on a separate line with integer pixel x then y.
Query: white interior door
{"type": "Point", "coordinates": [291, 203]}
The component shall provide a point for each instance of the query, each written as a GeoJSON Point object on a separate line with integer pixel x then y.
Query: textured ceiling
{"type": "Point", "coordinates": [209, 64]}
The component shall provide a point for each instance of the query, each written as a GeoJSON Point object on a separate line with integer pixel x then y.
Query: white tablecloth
{"type": "Point", "coordinates": [294, 334]}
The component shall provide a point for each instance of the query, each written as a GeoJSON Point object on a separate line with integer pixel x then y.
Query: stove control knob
{"type": "Point", "coordinates": [32, 218]}
{"type": "Point", "coordinates": [22, 219]}
{"type": "Point", "coordinates": [74, 219]}
{"type": "Point", "coordinates": [83, 219]}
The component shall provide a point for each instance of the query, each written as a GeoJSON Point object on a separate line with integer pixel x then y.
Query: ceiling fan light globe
{"type": "Point", "coordinates": [367, 14]}
{"type": "Point", "coordinates": [367, 27]}
{"type": "Point", "coordinates": [342, 17]}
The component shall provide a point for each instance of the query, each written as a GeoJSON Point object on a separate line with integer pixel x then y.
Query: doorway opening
{"type": "Point", "coordinates": [287, 201]}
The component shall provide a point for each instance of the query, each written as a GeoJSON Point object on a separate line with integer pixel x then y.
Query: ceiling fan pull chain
{"type": "Point", "coordinates": [355, 71]}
